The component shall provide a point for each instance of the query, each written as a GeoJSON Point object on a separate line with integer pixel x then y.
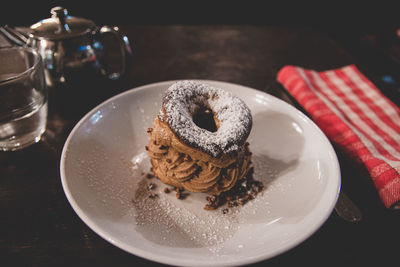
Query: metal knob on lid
{"type": "Point", "coordinates": [61, 25]}
{"type": "Point", "coordinates": [61, 13]}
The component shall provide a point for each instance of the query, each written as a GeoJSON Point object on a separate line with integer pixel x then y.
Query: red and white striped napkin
{"type": "Point", "coordinates": [354, 115]}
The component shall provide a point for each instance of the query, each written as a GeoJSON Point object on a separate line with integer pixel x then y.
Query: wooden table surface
{"type": "Point", "coordinates": [38, 225]}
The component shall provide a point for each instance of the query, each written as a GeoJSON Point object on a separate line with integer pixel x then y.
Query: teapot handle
{"type": "Point", "coordinates": [124, 49]}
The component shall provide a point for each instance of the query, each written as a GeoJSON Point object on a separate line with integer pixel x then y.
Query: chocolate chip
{"type": "Point", "coordinates": [250, 173]}
{"type": "Point", "coordinates": [213, 202]}
{"type": "Point", "coordinates": [241, 201]}
{"type": "Point", "coordinates": [149, 130]}
{"type": "Point", "coordinates": [177, 189]}
{"type": "Point", "coordinates": [209, 207]}
{"type": "Point", "coordinates": [166, 190]}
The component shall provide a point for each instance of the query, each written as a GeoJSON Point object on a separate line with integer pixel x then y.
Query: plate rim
{"type": "Point", "coordinates": [139, 252]}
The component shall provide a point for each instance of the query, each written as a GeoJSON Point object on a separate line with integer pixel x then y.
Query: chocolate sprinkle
{"type": "Point", "coordinates": [239, 195]}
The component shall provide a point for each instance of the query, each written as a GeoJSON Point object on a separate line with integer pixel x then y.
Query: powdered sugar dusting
{"type": "Point", "coordinates": [183, 98]}
{"type": "Point", "coordinates": [178, 226]}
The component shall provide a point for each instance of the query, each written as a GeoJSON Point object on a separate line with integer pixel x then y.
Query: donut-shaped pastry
{"type": "Point", "coordinates": [231, 115]}
{"type": "Point", "coordinates": [198, 141]}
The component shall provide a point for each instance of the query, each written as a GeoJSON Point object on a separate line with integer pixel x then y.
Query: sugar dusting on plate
{"type": "Point", "coordinates": [165, 220]}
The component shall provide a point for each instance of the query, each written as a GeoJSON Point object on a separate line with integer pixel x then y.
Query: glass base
{"type": "Point", "coordinates": [14, 144]}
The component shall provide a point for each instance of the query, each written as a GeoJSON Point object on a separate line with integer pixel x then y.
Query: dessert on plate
{"type": "Point", "coordinates": [198, 140]}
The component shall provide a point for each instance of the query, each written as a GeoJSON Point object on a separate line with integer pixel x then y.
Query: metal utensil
{"type": "Point", "coordinates": [346, 209]}
{"type": "Point", "coordinates": [13, 36]}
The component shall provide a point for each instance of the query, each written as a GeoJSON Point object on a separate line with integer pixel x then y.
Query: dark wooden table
{"type": "Point", "coordinates": [38, 225]}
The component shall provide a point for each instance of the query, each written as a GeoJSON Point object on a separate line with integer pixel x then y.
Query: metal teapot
{"type": "Point", "coordinates": [70, 44]}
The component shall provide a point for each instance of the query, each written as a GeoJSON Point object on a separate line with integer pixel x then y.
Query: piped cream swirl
{"type": "Point", "coordinates": [180, 165]}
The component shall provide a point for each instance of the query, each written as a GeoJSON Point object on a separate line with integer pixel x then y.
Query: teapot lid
{"type": "Point", "coordinates": [60, 25]}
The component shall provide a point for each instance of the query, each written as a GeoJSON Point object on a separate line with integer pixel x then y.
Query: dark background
{"type": "Point", "coordinates": [41, 229]}
{"type": "Point", "coordinates": [327, 15]}
{"type": "Point", "coordinates": [367, 29]}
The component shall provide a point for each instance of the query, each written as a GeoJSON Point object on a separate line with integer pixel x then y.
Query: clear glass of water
{"type": "Point", "coordinates": [23, 98]}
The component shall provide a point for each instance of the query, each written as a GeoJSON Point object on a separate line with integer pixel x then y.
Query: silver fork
{"type": "Point", "coordinates": [346, 209]}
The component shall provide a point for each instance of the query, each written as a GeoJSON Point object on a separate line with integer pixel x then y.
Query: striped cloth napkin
{"type": "Point", "coordinates": [354, 115]}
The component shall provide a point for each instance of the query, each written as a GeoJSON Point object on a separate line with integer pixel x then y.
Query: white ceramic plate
{"type": "Point", "coordinates": [104, 167]}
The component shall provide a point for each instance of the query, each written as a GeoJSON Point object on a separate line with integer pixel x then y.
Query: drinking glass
{"type": "Point", "coordinates": [23, 98]}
